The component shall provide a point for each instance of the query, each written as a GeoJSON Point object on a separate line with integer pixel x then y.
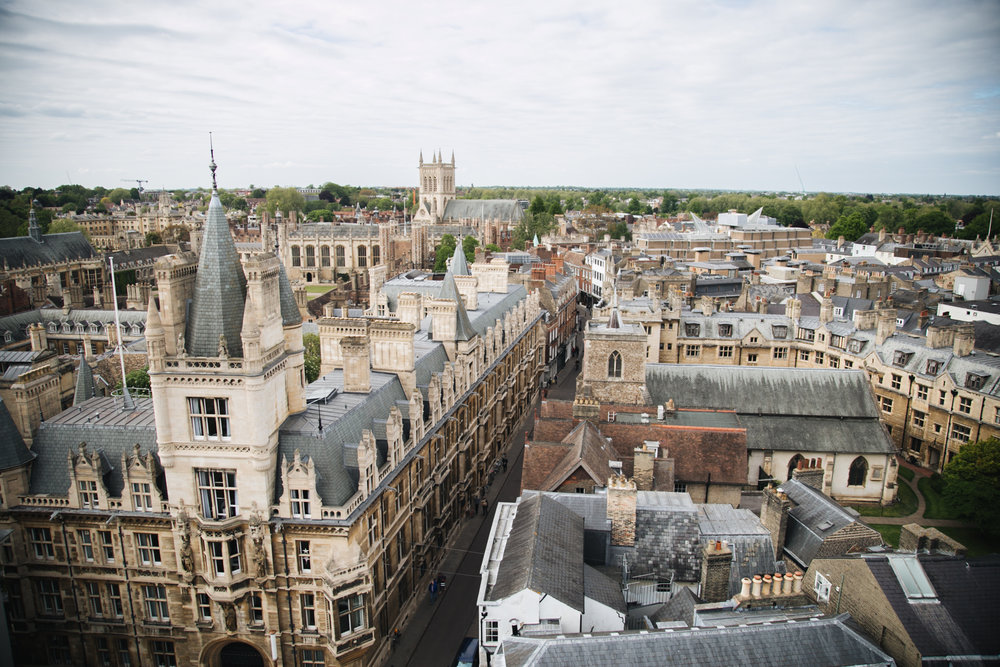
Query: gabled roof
{"type": "Point", "coordinates": [220, 290]}
{"type": "Point", "coordinates": [23, 251]}
{"type": "Point", "coordinates": [588, 449]}
{"type": "Point", "coordinates": [814, 518]}
{"type": "Point", "coordinates": [544, 553]}
{"type": "Point", "coordinates": [746, 536]}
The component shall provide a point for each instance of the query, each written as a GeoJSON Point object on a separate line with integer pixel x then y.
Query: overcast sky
{"type": "Point", "coordinates": [853, 96]}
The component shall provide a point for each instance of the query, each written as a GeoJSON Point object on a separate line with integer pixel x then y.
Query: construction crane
{"type": "Point", "coordinates": [140, 181]}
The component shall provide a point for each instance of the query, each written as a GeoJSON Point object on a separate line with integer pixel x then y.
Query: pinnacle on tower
{"type": "Point", "coordinates": [84, 382]}
{"type": "Point", "coordinates": [220, 288]}
{"type": "Point", "coordinates": [34, 231]}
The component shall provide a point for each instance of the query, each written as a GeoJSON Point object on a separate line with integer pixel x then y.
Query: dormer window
{"type": "Point", "coordinates": [780, 331]}
{"type": "Point", "coordinates": [725, 330]}
{"type": "Point", "coordinates": [975, 380]}
{"type": "Point", "coordinates": [53, 327]}
{"type": "Point", "coordinates": [933, 366]}
{"type": "Point", "coordinates": [692, 329]}
{"type": "Point", "coordinates": [66, 327]}
{"type": "Point", "coordinates": [301, 506]}
{"type": "Point", "coordinates": [901, 358]}
{"type": "Point", "coordinates": [855, 345]}
{"type": "Point", "coordinates": [806, 334]}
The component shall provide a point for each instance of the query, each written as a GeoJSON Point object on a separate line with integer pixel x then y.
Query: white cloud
{"type": "Point", "coordinates": [877, 96]}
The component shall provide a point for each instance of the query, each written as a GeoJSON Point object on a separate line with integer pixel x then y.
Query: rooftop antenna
{"type": "Point", "coordinates": [989, 231]}
{"type": "Point", "coordinates": [126, 399]}
{"type": "Point", "coordinates": [803, 185]}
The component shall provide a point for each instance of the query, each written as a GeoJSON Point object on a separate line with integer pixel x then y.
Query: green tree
{"type": "Point", "coordinates": [119, 194]}
{"type": "Point", "coordinates": [469, 245]}
{"type": "Point", "coordinates": [851, 227]}
{"type": "Point", "coordinates": [972, 484]}
{"type": "Point", "coordinates": [537, 205]}
{"type": "Point", "coordinates": [64, 225]}
{"type": "Point", "coordinates": [138, 378]}
{"type": "Point", "coordinates": [285, 200]}
{"type": "Point", "coordinates": [312, 359]}
{"type": "Point", "coordinates": [153, 238]}
{"type": "Point", "coordinates": [493, 247]}
{"type": "Point", "coordinates": [258, 193]}
{"type": "Point", "coordinates": [444, 252]}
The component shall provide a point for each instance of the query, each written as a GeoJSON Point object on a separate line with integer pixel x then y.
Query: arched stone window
{"type": "Point", "coordinates": [859, 472]}
{"type": "Point", "coordinates": [324, 255]}
{"type": "Point", "coordinates": [339, 255]}
{"type": "Point", "coordinates": [296, 258]}
{"type": "Point", "coordinates": [376, 255]}
{"type": "Point", "coordinates": [615, 365]}
{"type": "Point", "coordinates": [310, 255]}
{"type": "Point", "coordinates": [362, 256]}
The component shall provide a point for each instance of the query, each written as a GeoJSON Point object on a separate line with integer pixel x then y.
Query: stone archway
{"type": "Point", "coordinates": [234, 654]}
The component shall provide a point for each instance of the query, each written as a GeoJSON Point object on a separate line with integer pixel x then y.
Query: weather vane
{"type": "Point", "coordinates": [211, 151]}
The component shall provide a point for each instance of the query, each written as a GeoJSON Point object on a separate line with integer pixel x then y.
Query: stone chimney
{"type": "Point", "coordinates": [39, 338]}
{"type": "Point", "coordinates": [774, 516]}
{"type": "Point", "coordinates": [793, 309]}
{"type": "Point", "coordinates": [643, 468]}
{"type": "Point", "coordinates": [707, 306]}
{"type": "Point", "coordinates": [408, 309]}
{"type": "Point", "coordinates": [810, 473]}
{"type": "Point", "coordinates": [716, 562]}
{"type": "Point", "coordinates": [915, 538]}
{"type": "Point", "coordinates": [938, 336]}
{"type": "Point", "coordinates": [886, 325]}
{"type": "Point", "coordinates": [865, 320]}
{"type": "Point", "coordinates": [965, 339]}
{"type": "Point", "coordinates": [357, 371]}
{"type": "Point", "coordinates": [826, 309]}
{"type": "Point", "coordinates": [621, 510]}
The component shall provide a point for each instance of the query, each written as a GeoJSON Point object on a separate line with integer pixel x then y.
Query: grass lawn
{"type": "Point", "coordinates": [319, 289]}
{"type": "Point", "coordinates": [889, 532]}
{"type": "Point", "coordinates": [906, 473]}
{"type": "Point", "coordinates": [976, 542]}
{"type": "Point", "coordinates": [906, 504]}
{"type": "Point", "coordinates": [936, 508]}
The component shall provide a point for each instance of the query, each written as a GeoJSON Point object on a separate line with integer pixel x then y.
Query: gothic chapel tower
{"type": "Point", "coordinates": [437, 185]}
{"type": "Point", "coordinates": [226, 368]}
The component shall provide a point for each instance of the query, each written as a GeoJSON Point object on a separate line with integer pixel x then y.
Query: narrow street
{"type": "Point", "coordinates": [435, 631]}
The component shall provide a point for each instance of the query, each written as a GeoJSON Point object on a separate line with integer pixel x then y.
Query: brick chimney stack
{"type": "Point", "coordinates": [774, 516]}
{"type": "Point", "coordinates": [621, 510]}
{"type": "Point", "coordinates": [716, 562]}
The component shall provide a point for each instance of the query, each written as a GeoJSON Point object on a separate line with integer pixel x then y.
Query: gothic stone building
{"type": "Point", "coordinates": [239, 516]}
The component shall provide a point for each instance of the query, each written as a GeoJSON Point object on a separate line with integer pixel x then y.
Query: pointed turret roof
{"type": "Point", "coordinates": [153, 323]}
{"type": "Point", "coordinates": [289, 309]}
{"type": "Point", "coordinates": [449, 290]}
{"type": "Point", "coordinates": [459, 265]}
{"type": "Point", "coordinates": [84, 382]}
{"type": "Point", "coordinates": [34, 231]}
{"type": "Point", "coordinates": [220, 290]}
{"type": "Point", "coordinates": [13, 452]}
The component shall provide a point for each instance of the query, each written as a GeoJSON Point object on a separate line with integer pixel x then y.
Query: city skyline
{"type": "Point", "coordinates": [894, 97]}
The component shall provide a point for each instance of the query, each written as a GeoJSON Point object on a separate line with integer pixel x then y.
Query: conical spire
{"type": "Point", "coordinates": [453, 157]}
{"type": "Point", "coordinates": [614, 318]}
{"type": "Point", "coordinates": [13, 452]}
{"type": "Point", "coordinates": [289, 309]}
{"type": "Point", "coordinates": [34, 231]}
{"type": "Point", "coordinates": [421, 157]}
{"type": "Point", "coordinates": [153, 323]}
{"type": "Point", "coordinates": [220, 289]}
{"type": "Point", "coordinates": [449, 290]}
{"type": "Point", "coordinates": [84, 382]}
{"type": "Point", "coordinates": [459, 265]}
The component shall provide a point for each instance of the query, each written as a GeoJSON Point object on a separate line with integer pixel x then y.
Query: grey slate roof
{"type": "Point", "coordinates": [84, 382]}
{"type": "Point", "coordinates": [815, 517]}
{"type": "Point", "coordinates": [459, 265]}
{"type": "Point", "coordinates": [782, 408]}
{"type": "Point", "coordinates": [22, 251]}
{"type": "Point", "coordinates": [965, 619]}
{"type": "Point", "coordinates": [507, 210]}
{"type": "Point", "coordinates": [824, 641]}
{"type": "Point", "coordinates": [544, 553]}
{"type": "Point", "coordinates": [105, 427]}
{"type": "Point", "coordinates": [599, 587]}
{"type": "Point", "coordinates": [592, 507]}
{"type": "Point", "coordinates": [753, 549]}
{"type": "Point", "coordinates": [220, 290]}
{"type": "Point", "coordinates": [13, 452]}
{"type": "Point", "coordinates": [680, 607]}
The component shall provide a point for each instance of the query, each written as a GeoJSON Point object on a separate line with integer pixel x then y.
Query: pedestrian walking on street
{"type": "Point", "coordinates": [433, 588]}
{"type": "Point", "coordinates": [486, 506]}
{"type": "Point", "coordinates": [503, 461]}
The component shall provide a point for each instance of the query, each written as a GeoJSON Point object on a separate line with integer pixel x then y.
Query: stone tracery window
{"type": "Point", "coordinates": [615, 365]}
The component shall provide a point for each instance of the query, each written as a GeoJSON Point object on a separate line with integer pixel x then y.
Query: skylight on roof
{"type": "Point", "coordinates": [912, 579]}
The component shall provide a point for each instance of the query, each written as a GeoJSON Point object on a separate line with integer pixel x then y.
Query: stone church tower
{"type": "Point", "coordinates": [614, 363]}
{"type": "Point", "coordinates": [437, 187]}
{"type": "Point", "coordinates": [226, 368]}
